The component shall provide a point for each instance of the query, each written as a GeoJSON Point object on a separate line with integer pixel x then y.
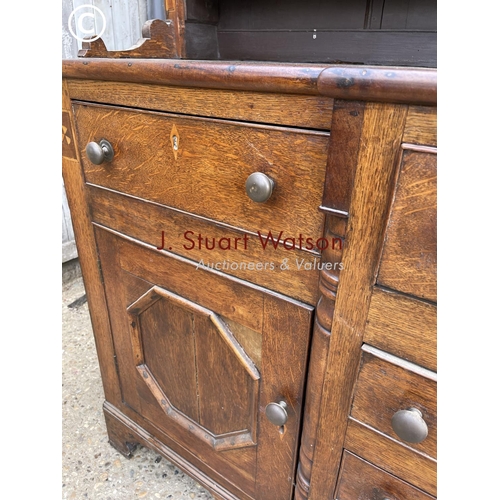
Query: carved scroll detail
{"type": "Point", "coordinates": [159, 42]}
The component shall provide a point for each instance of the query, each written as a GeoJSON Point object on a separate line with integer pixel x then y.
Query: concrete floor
{"type": "Point", "coordinates": [92, 468]}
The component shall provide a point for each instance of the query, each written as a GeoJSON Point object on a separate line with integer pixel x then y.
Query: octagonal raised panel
{"type": "Point", "coordinates": [195, 368]}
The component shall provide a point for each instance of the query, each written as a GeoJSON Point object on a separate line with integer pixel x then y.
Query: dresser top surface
{"type": "Point", "coordinates": [356, 82]}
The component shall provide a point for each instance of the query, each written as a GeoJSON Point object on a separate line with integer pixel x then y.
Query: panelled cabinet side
{"type": "Point", "coordinates": [87, 250]}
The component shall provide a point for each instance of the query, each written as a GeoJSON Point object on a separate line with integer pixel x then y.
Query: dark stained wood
{"type": "Point", "coordinates": [146, 221]}
{"type": "Point", "coordinates": [421, 126]}
{"type": "Point", "coordinates": [201, 29]}
{"type": "Point", "coordinates": [410, 466]}
{"type": "Point", "coordinates": [403, 326]}
{"type": "Point", "coordinates": [214, 159]}
{"type": "Point", "coordinates": [134, 287]}
{"type": "Point", "coordinates": [278, 109]}
{"type": "Point", "coordinates": [410, 15]}
{"type": "Point", "coordinates": [169, 352]}
{"type": "Point", "coordinates": [386, 84]}
{"type": "Point", "coordinates": [117, 297]}
{"type": "Point", "coordinates": [366, 83]}
{"type": "Point", "coordinates": [372, 47]}
{"type": "Point", "coordinates": [124, 429]}
{"type": "Point", "coordinates": [374, 12]}
{"type": "Point", "coordinates": [383, 388]}
{"type": "Point", "coordinates": [225, 290]}
{"type": "Point", "coordinates": [382, 129]}
{"type": "Point", "coordinates": [347, 125]}
{"type": "Point", "coordinates": [159, 41]}
{"type": "Point", "coordinates": [277, 452]}
{"type": "Point", "coordinates": [88, 257]}
{"type": "Point", "coordinates": [228, 394]}
{"type": "Point", "coordinates": [361, 480]}
{"type": "Point", "coordinates": [191, 357]}
{"type": "Point", "coordinates": [226, 403]}
{"type": "Point", "coordinates": [325, 309]}
{"type": "Point", "coordinates": [202, 11]}
{"type": "Point", "coordinates": [239, 15]}
{"type": "Point", "coordinates": [231, 75]}
{"type": "Point", "coordinates": [201, 41]}
{"type": "Point", "coordinates": [409, 258]}
{"type": "Point", "coordinates": [226, 414]}
{"type": "Point", "coordinates": [250, 340]}
{"type": "Point", "coordinates": [140, 397]}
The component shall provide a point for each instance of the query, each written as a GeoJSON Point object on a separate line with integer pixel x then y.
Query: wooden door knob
{"type": "Point", "coordinates": [100, 152]}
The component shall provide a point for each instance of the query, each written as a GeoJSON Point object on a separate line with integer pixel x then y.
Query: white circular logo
{"type": "Point", "coordinates": [79, 20]}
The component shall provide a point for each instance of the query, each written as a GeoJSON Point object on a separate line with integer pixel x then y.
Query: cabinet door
{"type": "Point", "coordinates": [200, 355]}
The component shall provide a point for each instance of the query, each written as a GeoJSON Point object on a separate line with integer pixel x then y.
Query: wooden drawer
{"type": "Point", "coordinates": [403, 326]}
{"type": "Point", "coordinates": [204, 172]}
{"type": "Point", "coordinates": [384, 388]}
{"type": "Point", "coordinates": [409, 258]}
{"type": "Point", "coordinates": [360, 480]}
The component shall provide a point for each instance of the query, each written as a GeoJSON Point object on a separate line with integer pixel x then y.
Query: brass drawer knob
{"type": "Point", "coordinates": [259, 187]}
{"type": "Point", "coordinates": [276, 413]}
{"type": "Point", "coordinates": [100, 152]}
{"type": "Point", "coordinates": [409, 425]}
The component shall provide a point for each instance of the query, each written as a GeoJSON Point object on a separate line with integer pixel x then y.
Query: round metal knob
{"type": "Point", "coordinates": [259, 187]}
{"type": "Point", "coordinates": [409, 425]}
{"type": "Point", "coordinates": [276, 413]}
{"type": "Point", "coordinates": [100, 152]}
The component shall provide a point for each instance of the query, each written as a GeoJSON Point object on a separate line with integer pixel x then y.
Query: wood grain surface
{"type": "Point", "coordinates": [214, 159]}
{"type": "Point", "coordinates": [87, 254]}
{"type": "Point", "coordinates": [383, 388]}
{"type": "Point", "coordinates": [353, 82]}
{"type": "Point", "coordinates": [409, 258]}
{"type": "Point", "coordinates": [421, 126]}
{"type": "Point", "coordinates": [146, 221]}
{"type": "Point", "coordinates": [280, 109]}
{"type": "Point", "coordinates": [221, 380]}
{"type": "Point", "coordinates": [346, 129]}
{"type": "Point", "coordinates": [360, 480]}
{"type": "Point", "coordinates": [403, 326]}
{"type": "Point", "coordinates": [382, 130]}
{"type": "Point", "coordinates": [414, 468]}
{"type": "Point", "coordinates": [379, 83]}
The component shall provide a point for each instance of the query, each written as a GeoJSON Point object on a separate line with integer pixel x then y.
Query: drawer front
{"type": "Point", "coordinates": [360, 480]}
{"type": "Point", "coordinates": [200, 356]}
{"type": "Point", "coordinates": [384, 388]}
{"type": "Point", "coordinates": [403, 326]}
{"type": "Point", "coordinates": [200, 166]}
{"type": "Point", "coordinates": [409, 258]}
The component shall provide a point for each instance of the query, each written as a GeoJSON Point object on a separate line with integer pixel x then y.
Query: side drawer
{"type": "Point", "coordinates": [360, 480]}
{"type": "Point", "coordinates": [385, 388]}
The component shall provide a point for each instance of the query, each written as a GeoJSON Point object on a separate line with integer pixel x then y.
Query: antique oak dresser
{"type": "Point", "coordinates": [258, 246]}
